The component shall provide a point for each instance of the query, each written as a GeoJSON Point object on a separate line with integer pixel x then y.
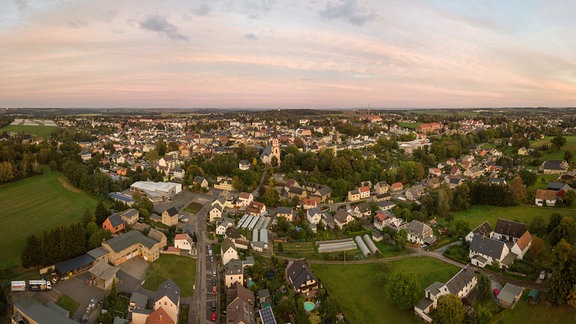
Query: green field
{"type": "Point", "coordinates": [362, 296]}
{"type": "Point", "coordinates": [476, 215]}
{"type": "Point", "coordinates": [540, 313]}
{"type": "Point", "coordinates": [68, 304]}
{"type": "Point", "coordinates": [557, 155]}
{"type": "Point", "coordinates": [40, 130]}
{"type": "Point", "coordinates": [408, 125]}
{"type": "Point", "coordinates": [181, 269]}
{"type": "Point", "coordinates": [33, 205]}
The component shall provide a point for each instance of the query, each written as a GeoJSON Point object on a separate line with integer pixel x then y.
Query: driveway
{"type": "Point", "coordinates": [77, 289]}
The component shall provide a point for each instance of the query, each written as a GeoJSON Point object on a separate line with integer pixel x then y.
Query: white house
{"type": "Point", "coordinates": [382, 218]}
{"type": "Point", "coordinates": [545, 198]}
{"type": "Point", "coordinates": [419, 232]}
{"type": "Point", "coordinates": [224, 225]}
{"type": "Point", "coordinates": [244, 199]}
{"type": "Point", "coordinates": [184, 242]}
{"type": "Point", "coordinates": [342, 218]}
{"type": "Point", "coordinates": [228, 251]}
{"type": "Point", "coordinates": [215, 212]}
{"type": "Point", "coordinates": [313, 216]}
{"type": "Point", "coordinates": [486, 250]}
{"type": "Point", "coordinates": [168, 297]}
{"type": "Point", "coordinates": [364, 192]}
{"type": "Point", "coordinates": [522, 245]}
{"type": "Point", "coordinates": [233, 272]}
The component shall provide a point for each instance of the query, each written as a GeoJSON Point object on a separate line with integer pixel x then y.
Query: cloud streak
{"type": "Point", "coordinates": [348, 10]}
{"type": "Point", "coordinates": [160, 24]}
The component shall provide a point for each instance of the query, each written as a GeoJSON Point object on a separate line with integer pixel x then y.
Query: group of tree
{"type": "Point", "coordinates": [53, 246]}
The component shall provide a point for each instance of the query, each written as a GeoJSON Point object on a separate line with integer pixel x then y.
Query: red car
{"type": "Point", "coordinates": [496, 292]}
{"type": "Point", "coordinates": [213, 316]}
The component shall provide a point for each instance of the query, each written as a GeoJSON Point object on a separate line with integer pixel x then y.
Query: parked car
{"type": "Point", "coordinates": [542, 275]}
{"type": "Point", "coordinates": [213, 318]}
{"type": "Point", "coordinates": [496, 292]}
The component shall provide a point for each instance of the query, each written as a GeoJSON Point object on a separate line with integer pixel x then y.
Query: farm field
{"type": "Point", "coordinates": [307, 250]}
{"type": "Point", "coordinates": [40, 130]}
{"type": "Point", "coordinates": [408, 125]}
{"type": "Point", "coordinates": [558, 155]}
{"type": "Point", "coordinates": [476, 215]}
{"type": "Point", "coordinates": [362, 296]}
{"type": "Point", "coordinates": [181, 269]}
{"type": "Point", "coordinates": [34, 205]}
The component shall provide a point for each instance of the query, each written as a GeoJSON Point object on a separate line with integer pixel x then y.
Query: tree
{"type": "Point", "coordinates": [563, 268]}
{"type": "Point", "coordinates": [484, 285]}
{"type": "Point", "coordinates": [101, 214]}
{"type": "Point", "coordinates": [483, 315]}
{"type": "Point", "coordinates": [558, 142]}
{"type": "Point", "coordinates": [568, 156]}
{"type": "Point", "coordinates": [401, 238]}
{"type": "Point", "coordinates": [569, 197]}
{"type": "Point", "coordinates": [271, 196]}
{"type": "Point", "coordinates": [160, 147]}
{"type": "Point", "coordinates": [537, 226]}
{"type": "Point", "coordinates": [528, 177]}
{"type": "Point", "coordinates": [537, 252]}
{"type": "Point", "coordinates": [555, 219]}
{"type": "Point", "coordinates": [445, 197]}
{"type": "Point", "coordinates": [403, 290]}
{"type": "Point", "coordinates": [280, 248]}
{"type": "Point", "coordinates": [518, 190]}
{"type": "Point", "coordinates": [565, 230]}
{"type": "Point", "coordinates": [450, 310]}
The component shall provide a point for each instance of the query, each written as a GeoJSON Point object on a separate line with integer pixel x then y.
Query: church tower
{"type": "Point", "coordinates": [275, 144]}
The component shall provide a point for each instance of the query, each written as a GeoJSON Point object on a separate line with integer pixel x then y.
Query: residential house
{"type": "Point", "coordinates": [215, 212]}
{"type": "Point", "coordinates": [414, 192]}
{"type": "Point", "coordinates": [474, 172]}
{"type": "Point", "coordinates": [364, 192]}
{"type": "Point", "coordinates": [244, 165]}
{"type": "Point", "coordinates": [483, 229]}
{"type": "Point", "coordinates": [436, 172]}
{"type": "Point", "coordinates": [113, 223]}
{"type": "Point", "coordinates": [497, 181]}
{"type": "Point", "coordinates": [460, 285]}
{"type": "Point", "coordinates": [286, 212]}
{"type": "Point", "coordinates": [159, 316]}
{"type": "Point", "coordinates": [223, 183]}
{"type": "Point", "coordinates": [363, 210]}
{"type": "Point", "coordinates": [256, 208]}
{"type": "Point", "coordinates": [381, 187]}
{"type": "Point", "coordinates": [522, 245]}
{"type": "Point", "coordinates": [170, 216]}
{"type": "Point", "coordinates": [228, 251]}
{"type": "Point", "coordinates": [200, 182]}
{"type": "Point", "coordinates": [168, 298]}
{"type": "Point", "coordinates": [184, 242]}
{"type": "Point", "coordinates": [130, 216]}
{"type": "Point", "coordinates": [554, 167]}
{"type": "Point", "coordinates": [313, 216]}
{"type": "Point", "coordinates": [244, 199]}
{"type": "Point", "coordinates": [485, 250]}
{"type": "Point", "coordinates": [224, 225]}
{"type": "Point", "coordinates": [233, 272]}
{"type": "Point", "coordinates": [507, 230]}
{"type": "Point", "coordinates": [308, 203]}
{"type": "Point", "coordinates": [342, 218]}
{"type": "Point", "coordinates": [382, 218]}
{"type": "Point", "coordinates": [420, 233]}
{"type": "Point", "coordinates": [386, 205]}
{"type": "Point", "coordinates": [297, 192]}
{"type": "Point", "coordinates": [396, 186]}
{"type": "Point", "coordinates": [353, 195]}
{"type": "Point", "coordinates": [240, 305]}
{"type": "Point", "coordinates": [544, 198]}
{"type": "Point", "coordinates": [301, 278]}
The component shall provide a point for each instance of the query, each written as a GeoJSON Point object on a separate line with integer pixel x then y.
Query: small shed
{"type": "Point", "coordinates": [510, 295]}
{"type": "Point", "coordinates": [73, 266]}
{"type": "Point", "coordinates": [103, 274]}
{"type": "Point", "coordinates": [533, 296]}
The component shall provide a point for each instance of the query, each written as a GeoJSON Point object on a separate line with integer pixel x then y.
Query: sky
{"type": "Point", "coordinates": [287, 53]}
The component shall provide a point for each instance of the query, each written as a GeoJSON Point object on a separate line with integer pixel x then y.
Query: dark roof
{"type": "Point", "coordinates": [554, 165]}
{"type": "Point", "coordinates": [555, 186]}
{"type": "Point", "coordinates": [189, 228]}
{"type": "Point", "coordinates": [126, 240]}
{"type": "Point", "coordinates": [299, 272]}
{"type": "Point", "coordinates": [172, 211]}
{"type": "Point", "coordinates": [460, 280]}
{"type": "Point", "coordinates": [233, 267]}
{"type": "Point", "coordinates": [509, 228]}
{"type": "Point", "coordinates": [285, 210]}
{"type": "Point", "coordinates": [97, 252]}
{"type": "Point", "coordinates": [170, 289]}
{"type": "Point", "coordinates": [325, 190]}
{"type": "Point", "coordinates": [70, 265]}
{"type": "Point", "coordinates": [228, 244]}
{"type": "Point", "coordinates": [364, 207]}
{"type": "Point", "coordinates": [115, 220]}
{"type": "Point", "coordinates": [267, 316]}
{"type": "Point", "coordinates": [341, 216]}
{"type": "Point", "coordinates": [483, 229]}
{"type": "Point", "coordinates": [487, 246]}
{"type": "Point", "coordinates": [296, 190]}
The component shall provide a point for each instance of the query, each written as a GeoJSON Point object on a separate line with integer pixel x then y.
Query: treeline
{"type": "Point", "coordinates": [53, 246]}
{"type": "Point", "coordinates": [19, 158]}
{"type": "Point", "coordinates": [493, 195]}
{"type": "Point", "coordinates": [5, 121]}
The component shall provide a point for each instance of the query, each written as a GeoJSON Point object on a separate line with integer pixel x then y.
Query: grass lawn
{"type": "Point", "coordinates": [557, 155]}
{"type": "Point", "coordinates": [178, 268]}
{"type": "Point", "coordinates": [478, 214]}
{"type": "Point", "coordinates": [34, 205]}
{"type": "Point", "coordinates": [540, 313]}
{"type": "Point", "coordinates": [40, 130]}
{"type": "Point", "coordinates": [68, 304]}
{"type": "Point", "coordinates": [362, 296]}
{"type": "Point", "coordinates": [193, 208]}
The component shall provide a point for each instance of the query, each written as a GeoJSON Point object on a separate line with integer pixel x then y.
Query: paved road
{"type": "Point", "coordinates": [198, 309]}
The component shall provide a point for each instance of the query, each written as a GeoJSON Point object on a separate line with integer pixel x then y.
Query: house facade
{"type": "Point", "coordinates": [170, 216]}
{"type": "Point", "coordinates": [419, 232]}
{"type": "Point", "coordinates": [301, 278]}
